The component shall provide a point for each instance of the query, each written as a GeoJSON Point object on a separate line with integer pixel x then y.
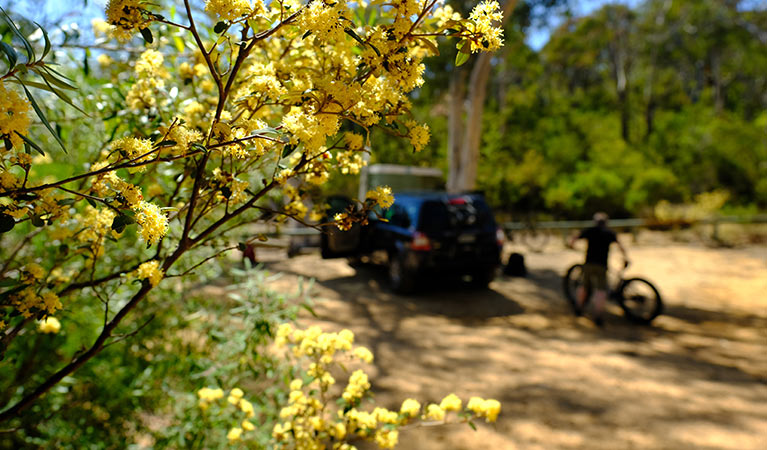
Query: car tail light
{"type": "Point", "coordinates": [420, 242]}
{"type": "Point", "coordinates": [500, 237]}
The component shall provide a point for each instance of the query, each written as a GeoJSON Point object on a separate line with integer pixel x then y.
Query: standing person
{"type": "Point", "coordinates": [599, 238]}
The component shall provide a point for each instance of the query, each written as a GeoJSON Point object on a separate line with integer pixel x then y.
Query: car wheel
{"type": "Point", "coordinates": [401, 280]}
{"type": "Point", "coordinates": [482, 278]}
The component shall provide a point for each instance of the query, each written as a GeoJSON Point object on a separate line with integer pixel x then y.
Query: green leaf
{"type": "Point", "coordinates": [52, 79]}
{"type": "Point", "coordinates": [37, 221]}
{"type": "Point", "coordinates": [49, 68]}
{"type": "Point", "coordinates": [198, 146]}
{"type": "Point", "coordinates": [9, 282]}
{"type": "Point", "coordinates": [351, 33]}
{"type": "Point", "coordinates": [461, 58]}
{"type": "Point", "coordinates": [27, 45]}
{"type": "Point", "coordinates": [430, 45]}
{"type": "Point", "coordinates": [6, 223]}
{"type": "Point", "coordinates": [220, 27]}
{"type": "Point", "coordinates": [465, 47]}
{"type": "Point", "coordinates": [32, 143]}
{"type": "Point", "coordinates": [289, 148]}
{"type": "Point", "coordinates": [47, 41]}
{"type": "Point", "coordinates": [310, 309]}
{"type": "Point", "coordinates": [146, 33]}
{"type": "Point", "coordinates": [33, 84]}
{"type": "Point", "coordinates": [120, 222]}
{"type": "Point", "coordinates": [60, 94]}
{"type": "Point", "coordinates": [42, 117]}
{"type": "Point", "coordinates": [11, 54]}
{"type": "Point", "coordinates": [166, 143]}
{"type": "Point", "coordinates": [471, 424]}
{"type": "Point", "coordinates": [179, 43]}
{"type": "Point", "coordinates": [66, 201]}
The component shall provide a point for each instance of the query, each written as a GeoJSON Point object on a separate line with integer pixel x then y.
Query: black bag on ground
{"type": "Point", "coordinates": [515, 267]}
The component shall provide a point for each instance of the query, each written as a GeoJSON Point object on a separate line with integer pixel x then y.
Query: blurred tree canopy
{"type": "Point", "coordinates": [621, 109]}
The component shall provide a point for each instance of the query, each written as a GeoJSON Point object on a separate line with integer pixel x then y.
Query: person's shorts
{"type": "Point", "coordinates": [594, 277]}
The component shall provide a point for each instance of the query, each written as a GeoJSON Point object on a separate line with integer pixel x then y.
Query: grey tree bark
{"type": "Point", "coordinates": [465, 118]}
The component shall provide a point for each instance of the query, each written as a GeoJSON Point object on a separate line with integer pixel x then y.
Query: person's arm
{"type": "Point", "coordinates": [623, 252]}
{"type": "Point", "coordinates": [574, 237]}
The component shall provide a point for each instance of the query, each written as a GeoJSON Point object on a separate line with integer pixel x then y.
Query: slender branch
{"type": "Point", "coordinates": [9, 336]}
{"type": "Point", "coordinates": [78, 361]}
{"type": "Point", "coordinates": [24, 242]}
{"type": "Point", "coordinates": [97, 281]}
{"type": "Point", "coordinates": [122, 337]}
{"type": "Point", "coordinates": [247, 138]}
{"type": "Point", "coordinates": [126, 165]}
{"type": "Point", "coordinates": [215, 255]}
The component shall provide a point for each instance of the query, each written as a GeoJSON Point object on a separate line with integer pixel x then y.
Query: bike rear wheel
{"type": "Point", "coordinates": [640, 300]}
{"type": "Point", "coordinates": [572, 280]}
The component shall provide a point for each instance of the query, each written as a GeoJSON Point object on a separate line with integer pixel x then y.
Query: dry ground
{"type": "Point", "coordinates": [696, 379]}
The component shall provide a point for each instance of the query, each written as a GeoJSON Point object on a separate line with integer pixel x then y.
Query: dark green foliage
{"type": "Point", "coordinates": [564, 134]}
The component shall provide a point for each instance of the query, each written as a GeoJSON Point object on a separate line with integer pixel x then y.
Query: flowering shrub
{"type": "Point", "coordinates": [220, 121]}
{"type": "Point", "coordinates": [318, 415]}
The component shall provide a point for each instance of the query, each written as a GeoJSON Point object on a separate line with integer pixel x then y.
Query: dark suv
{"type": "Point", "coordinates": [425, 233]}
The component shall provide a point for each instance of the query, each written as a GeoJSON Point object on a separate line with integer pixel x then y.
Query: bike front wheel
{"type": "Point", "coordinates": [572, 280]}
{"type": "Point", "coordinates": [640, 300]}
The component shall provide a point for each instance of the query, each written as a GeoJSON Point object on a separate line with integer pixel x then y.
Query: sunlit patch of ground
{"type": "Point", "coordinates": [696, 379]}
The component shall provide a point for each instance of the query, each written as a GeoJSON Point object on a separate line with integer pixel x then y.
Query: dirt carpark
{"type": "Point", "coordinates": [695, 379]}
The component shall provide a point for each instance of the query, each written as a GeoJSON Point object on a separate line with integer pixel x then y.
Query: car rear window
{"type": "Point", "coordinates": [456, 213]}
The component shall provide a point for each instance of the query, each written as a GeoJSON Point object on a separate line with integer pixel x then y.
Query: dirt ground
{"type": "Point", "coordinates": [695, 379]}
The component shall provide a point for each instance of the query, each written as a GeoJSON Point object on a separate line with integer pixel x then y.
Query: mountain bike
{"type": "Point", "coordinates": [640, 300]}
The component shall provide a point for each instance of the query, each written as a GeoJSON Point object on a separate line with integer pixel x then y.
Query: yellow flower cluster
{"type": "Point", "coordinates": [137, 149]}
{"type": "Point", "coordinates": [108, 183]}
{"type": "Point", "coordinates": [149, 80]}
{"type": "Point", "coordinates": [29, 301]}
{"type": "Point", "coordinates": [228, 9]}
{"type": "Point", "coordinates": [294, 207]}
{"type": "Point", "coordinates": [188, 71]}
{"type": "Point", "coordinates": [152, 222]}
{"type": "Point", "coordinates": [419, 135]}
{"type": "Point", "coordinates": [126, 16]}
{"type": "Point", "coordinates": [97, 224]}
{"type": "Point", "coordinates": [343, 221]}
{"type": "Point", "coordinates": [151, 271]}
{"type": "Point", "coordinates": [350, 162]}
{"type": "Point", "coordinates": [49, 325]}
{"type": "Point", "coordinates": [14, 119]}
{"type": "Point", "coordinates": [309, 421]}
{"type": "Point", "coordinates": [488, 37]}
{"type": "Point", "coordinates": [33, 271]}
{"type": "Point", "coordinates": [489, 409]}
{"type": "Point", "coordinates": [227, 187]}
{"type": "Point", "coordinates": [325, 20]}
{"type": "Point", "coordinates": [382, 196]}
{"type": "Point", "coordinates": [149, 63]}
{"type": "Point", "coordinates": [182, 136]}
{"type": "Point", "coordinates": [208, 396]}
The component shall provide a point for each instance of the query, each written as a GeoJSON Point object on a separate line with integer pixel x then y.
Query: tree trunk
{"type": "Point", "coordinates": [464, 140]}
{"type": "Point", "coordinates": [455, 128]}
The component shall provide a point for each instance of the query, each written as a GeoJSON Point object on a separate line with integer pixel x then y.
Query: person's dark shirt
{"type": "Point", "coordinates": [599, 239]}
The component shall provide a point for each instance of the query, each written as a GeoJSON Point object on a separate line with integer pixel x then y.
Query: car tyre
{"type": "Point", "coordinates": [482, 278]}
